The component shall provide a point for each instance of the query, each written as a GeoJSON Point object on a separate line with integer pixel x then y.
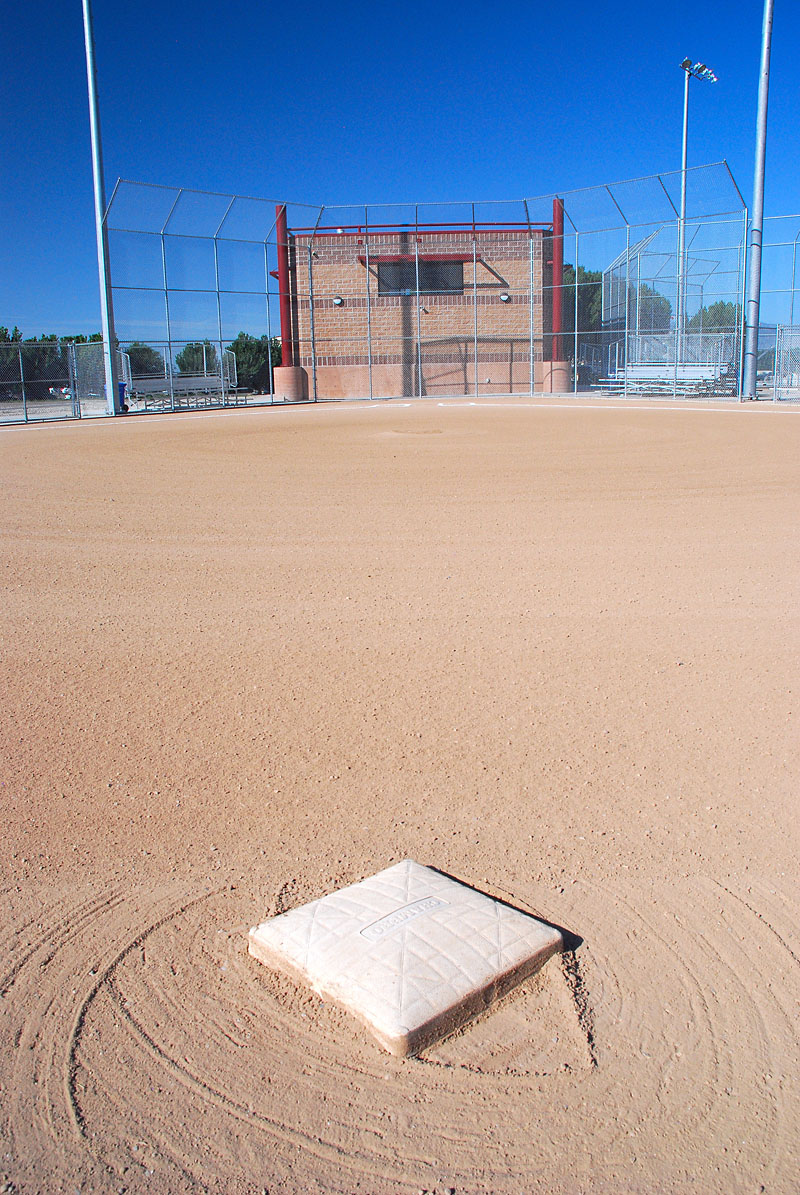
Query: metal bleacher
{"type": "Point", "coordinates": [667, 380]}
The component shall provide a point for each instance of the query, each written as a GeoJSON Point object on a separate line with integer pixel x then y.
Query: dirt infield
{"type": "Point", "coordinates": [248, 657]}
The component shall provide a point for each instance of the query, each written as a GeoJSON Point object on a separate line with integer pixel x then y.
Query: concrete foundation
{"type": "Point", "coordinates": [442, 380]}
{"type": "Point", "coordinates": [291, 383]}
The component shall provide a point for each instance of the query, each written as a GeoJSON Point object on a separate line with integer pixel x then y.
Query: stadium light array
{"type": "Point", "coordinates": [699, 70]}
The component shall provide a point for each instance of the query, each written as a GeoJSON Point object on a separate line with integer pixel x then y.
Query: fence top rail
{"type": "Point", "coordinates": [333, 230]}
{"type": "Point", "coordinates": [133, 182]}
{"type": "Point", "coordinates": [637, 202]}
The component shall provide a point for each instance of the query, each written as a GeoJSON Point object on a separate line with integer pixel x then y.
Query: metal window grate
{"type": "Point", "coordinates": [435, 277]}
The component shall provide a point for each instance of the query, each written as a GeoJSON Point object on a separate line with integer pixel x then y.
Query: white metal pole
{"type": "Point", "coordinates": [682, 220]}
{"type": "Point", "coordinates": [475, 300]}
{"type": "Point", "coordinates": [416, 275]}
{"type": "Point", "coordinates": [753, 304]}
{"type": "Point", "coordinates": [106, 304]}
{"type": "Point", "coordinates": [575, 319]}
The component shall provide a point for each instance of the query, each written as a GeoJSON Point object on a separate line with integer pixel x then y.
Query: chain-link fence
{"type": "Point", "coordinates": [51, 379]}
{"type": "Point", "coordinates": [516, 297]}
{"type": "Point", "coordinates": [786, 372]}
{"type": "Point", "coordinates": [224, 299]}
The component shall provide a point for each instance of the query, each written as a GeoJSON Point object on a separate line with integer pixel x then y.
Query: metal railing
{"type": "Point", "coordinates": [170, 377]}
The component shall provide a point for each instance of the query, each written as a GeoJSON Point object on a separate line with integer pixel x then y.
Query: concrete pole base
{"type": "Point", "coordinates": [557, 377]}
{"type": "Point", "coordinates": [291, 383]}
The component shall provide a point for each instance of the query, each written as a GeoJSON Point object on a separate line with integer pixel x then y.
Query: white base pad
{"type": "Point", "coordinates": [410, 952]}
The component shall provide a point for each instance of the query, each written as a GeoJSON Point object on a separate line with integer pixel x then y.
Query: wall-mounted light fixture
{"type": "Point", "coordinates": [338, 301]}
{"type": "Point", "coordinates": [504, 297]}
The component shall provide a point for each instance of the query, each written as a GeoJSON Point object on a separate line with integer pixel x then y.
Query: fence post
{"type": "Point", "coordinates": [269, 321]}
{"type": "Point", "coordinates": [419, 328]}
{"type": "Point", "coordinates": [22, 383]}
{"type": "Point", "coordinates": [72, 370]}
{"type": "Point", "coordinates": [742, 294]}
{"type": "Point", "coordinates": [219, 299]}
{"type": "Point", "coordinates": [311, 316]}
{"type": "Point", "coordinates": [575, 329]}
{"type": "Point", "coordinates": [627, 298]}
{"type": "Point", "coordinates": [475, 300]}
{"type": "Point", "coordinates": [369, 299]}
{"type": "Point", "coordinates": [530, 307]}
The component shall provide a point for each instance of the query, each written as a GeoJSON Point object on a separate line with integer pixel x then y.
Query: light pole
{"type": "Point", "coordinates": [753, 306]}
{"type": "Point", "coordinates": [106, 306]}
{"type": "Point", "coordinates": [698, 70]}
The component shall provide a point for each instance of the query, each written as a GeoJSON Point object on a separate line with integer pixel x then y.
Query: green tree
{"type": "Point", "coordinates": [590, 303]}
{"type": "Point", "coordinates": [253, 355]}
{"type": "Point", "coordinates": [146, 362]}
{"type": "Point", "coordinates": [10, 338]}
{"type": "Point", "coordinates": [45, 358]}
{"type": "Point", "coordinates": [655, 311]}
{"type": "Point", "coordinates": [45, 365]}
{"type": "Point", "coordinates": [718, 317]}
{"type": "Point", "coordinates": [199, 356]}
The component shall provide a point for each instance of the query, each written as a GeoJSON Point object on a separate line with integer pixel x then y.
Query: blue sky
{"type": "Point", "coordinates": [363, 103]}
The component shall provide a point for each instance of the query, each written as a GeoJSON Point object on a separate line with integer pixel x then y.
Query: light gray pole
{"type": "Point", "coordinates": [752, 307]}
{"type": "Point", "coordinates": [106, 305]}
{"type": "Point", "coordinates": [698, 70]}
{"type": "Point", "coordinates": [682, 220]}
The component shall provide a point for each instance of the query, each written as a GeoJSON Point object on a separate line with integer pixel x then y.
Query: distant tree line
{"type": "Point", "coordinates": [45, 356]}
{"type": "Point", "coordinates": [717, 317]}
{"type": "Point", "coordinates": [15, 337]}
{"type": "Point", "coordinates": [655, 310]}
{"type": "Point", "coordinates": [590, 303]}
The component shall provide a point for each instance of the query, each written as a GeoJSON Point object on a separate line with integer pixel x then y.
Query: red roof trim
{"type": "Point", "coordinates": [392, 257]}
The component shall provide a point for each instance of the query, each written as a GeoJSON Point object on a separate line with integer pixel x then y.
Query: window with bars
{"type": "Point", "coordinates": [435, 277]}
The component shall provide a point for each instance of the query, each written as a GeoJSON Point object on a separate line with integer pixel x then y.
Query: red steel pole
{"type": "Point", "coordinates": [282, 236]}
{"type": "Point", "coordinates": [558, 278]}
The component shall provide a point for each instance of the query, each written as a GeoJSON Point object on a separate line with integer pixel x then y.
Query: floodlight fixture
{"type": "Point", "coordinates": [699, 70]}
{"type": "Point", "coordinates": [504, 297]}
{"type": "Point", "coordinates": [338, 301]}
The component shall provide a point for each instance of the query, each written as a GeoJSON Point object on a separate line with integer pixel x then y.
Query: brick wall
{"type": "Point", "coordinates": [435, 334]}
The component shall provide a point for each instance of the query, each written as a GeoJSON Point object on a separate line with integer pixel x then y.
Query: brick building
{"type": "Point", "coordinates": [417, 310]}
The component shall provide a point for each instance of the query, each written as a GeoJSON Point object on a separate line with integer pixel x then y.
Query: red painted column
{"type": "Point", "coordinates": [558, 278]}
{"type": "Point", "coordinates": [282, 237]}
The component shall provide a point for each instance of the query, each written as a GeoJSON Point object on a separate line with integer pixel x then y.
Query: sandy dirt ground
{"type": "Point", "coordinates": [249, 657]}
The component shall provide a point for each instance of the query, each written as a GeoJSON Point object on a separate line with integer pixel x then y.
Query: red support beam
{"type": "Point", "coordinates": [282, 237]}
{"type": "Point", "coordinates": [558, 279]}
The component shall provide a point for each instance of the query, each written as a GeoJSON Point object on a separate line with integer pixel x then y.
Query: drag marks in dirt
{"type": "Point", "coordinates": [151, 1052]}
{"type": "Point", "coordinates": [693, 995]}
